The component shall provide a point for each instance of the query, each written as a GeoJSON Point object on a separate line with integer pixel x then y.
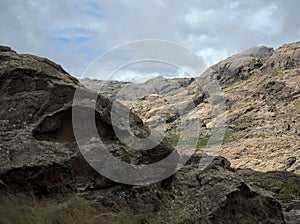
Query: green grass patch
{"type": "Point", "coordinates": [125, 157]}
{"type": "Point", "coordinates": [280, 154]}
{"type": "Point", "coordinates": [202, 143]}
{"type": "Point", "coordinates": [228, 136]}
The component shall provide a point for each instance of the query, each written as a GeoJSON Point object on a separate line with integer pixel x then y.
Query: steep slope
{"type": "Point", "coordinates": [263, 117]}
{"type": "Point", "coordinates": [285, 57]}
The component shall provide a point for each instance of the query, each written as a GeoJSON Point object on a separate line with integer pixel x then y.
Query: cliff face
{"type": "Point", "coordinates": [39, 155]}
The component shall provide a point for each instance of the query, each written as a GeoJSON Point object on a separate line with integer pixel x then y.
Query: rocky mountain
{"type": "Point", "coordinates": [41, 159]}
{"type": "Point", "coordinates": [261, 90]}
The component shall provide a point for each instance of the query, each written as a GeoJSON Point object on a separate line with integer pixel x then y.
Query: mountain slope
{"type": "Point", "coordinates": [261, 91]}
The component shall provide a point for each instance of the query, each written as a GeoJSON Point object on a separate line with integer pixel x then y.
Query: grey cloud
{"type": "Point", "coordinates": [214, 29]}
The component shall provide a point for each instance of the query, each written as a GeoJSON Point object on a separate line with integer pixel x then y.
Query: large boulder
{"type": "Point", "coordinates": [283, 185]}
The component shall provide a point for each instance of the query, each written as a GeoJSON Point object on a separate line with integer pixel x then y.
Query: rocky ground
{"type": "Point", "coordinates": [40, 158]}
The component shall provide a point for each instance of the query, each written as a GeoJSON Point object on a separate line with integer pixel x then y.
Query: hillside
{"type": "Point", "coordinates": [261, 91]}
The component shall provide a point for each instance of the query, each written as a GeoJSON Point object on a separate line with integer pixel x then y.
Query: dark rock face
{"type": "Point", "coordinates": [278, 90]}
{"type": "Point", "coordinates": [6, 49]}
{"type": "Point", "coordinates": [43, 181]}
{"type": "Point", "coordinates": [214, 195]}
{"type": "Point", "coordinates": [283, 185]}
{"type": "Point", "coordinates": [36, 136]}
{"type": "Point", "coordinates": [244, 202]}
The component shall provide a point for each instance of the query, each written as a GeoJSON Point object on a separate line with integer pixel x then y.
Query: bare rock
{"type": "Point", "coordinates": [284, 187]}
{"type": "Point", "coordinates": [239, 66]}
{"type": "Point", "coordinates": [285, 57]}
{"type": "Point", "coordinates": [214, 195]}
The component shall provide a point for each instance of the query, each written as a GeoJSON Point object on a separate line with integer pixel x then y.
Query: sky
{"type": "Point", "coordinates": [74, 33]}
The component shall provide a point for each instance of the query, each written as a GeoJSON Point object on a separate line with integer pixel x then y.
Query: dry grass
{"type": "Point", "coordinates": [24, 210]}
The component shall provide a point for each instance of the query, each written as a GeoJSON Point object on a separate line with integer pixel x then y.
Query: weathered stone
{"type": "Point", "coordinates": [238, 67]}
{"type": "Point", "coordinates": [285, 57]}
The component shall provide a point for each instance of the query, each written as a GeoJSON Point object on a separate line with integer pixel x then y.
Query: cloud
{"type": "Point", "coordinates": [211, 55]}
{"type": "Point", "coordinates": [195, 17]}
{"type": "Point", "coordinates": [74, 33]}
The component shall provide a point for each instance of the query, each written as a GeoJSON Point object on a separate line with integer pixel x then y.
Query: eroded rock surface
{"type": "Point", "coordinates": [239, 67]}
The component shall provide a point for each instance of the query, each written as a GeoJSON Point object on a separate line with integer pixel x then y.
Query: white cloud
{"type": "Point", "coordinates": [195, 41]}
{"type": "Point", "coordinates": [197, 16]}
{"type": "Point", "coordinates": [234, 5]}
{"type": "Point", "coordinates": [266, 20]}
{"type": "Point", "coordinates": [212, 56]}
{"type": "Point", "coordinates": [193, 18]}
{"type": "Point", "coordinates": [160, 3]}
{"type": "Point", "coordinates": [134, 76]}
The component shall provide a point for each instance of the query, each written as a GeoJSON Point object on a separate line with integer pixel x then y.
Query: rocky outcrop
{"type": "Point", "coordinates": [283, 185]}
{"type": "Point", "coordinates": [239, 66]}
{"type": "Point", "coordinates": [37, 144]}
{"type": "Point", "coordinates": [285, 57]}
{"type": "Point", "coordinates": [262, 117]}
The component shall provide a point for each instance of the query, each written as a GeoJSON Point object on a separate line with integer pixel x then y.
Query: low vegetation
{"type": "Point", "coordinates": [71, 210]}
